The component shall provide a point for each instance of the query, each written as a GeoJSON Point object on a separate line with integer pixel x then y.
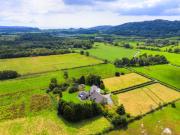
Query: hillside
{"type": "Point", "coordinates": [16, 29]}
{"type": "Point", "coordinates": [156, 28]}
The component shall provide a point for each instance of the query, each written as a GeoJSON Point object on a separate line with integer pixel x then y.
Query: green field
{"type": "Point", "coordinates": [41, 81]}
{"type": "Point", "coordinates": [38, 64]}
{"type": "Point", "coordinates": [155, 123]}
{"type": "Point", "coordinates": [110, 52]}
{"type": "Point", "coordinates": [171, 57]}
{"type": "Point", "coordinates": [165, 73]}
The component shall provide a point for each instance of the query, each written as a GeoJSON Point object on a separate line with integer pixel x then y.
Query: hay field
{"type": "Point", "coordinates": [124, 81]}
{"type": "Point", "coordinates": [142, 100]}
{"type": "Point", "coordinates": [48, 123]}
{"type": "Point", "coordinates": [30, 65]}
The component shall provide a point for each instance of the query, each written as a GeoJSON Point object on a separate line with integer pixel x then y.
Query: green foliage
{"type": "Point", "coordinates": [66, 76]}
{"type": "Point", "coordinates": [53, 84]}
{"type": "Point", "coordinates": [40, 44]}
{"type": "Point", "coordinates": [77, 112]}
{"type": "Point", "coordinates": [73, 88]}
{"type": "Point", "coordinates": [93, 80]}
{"type": "Point", "coordinates": [8, 74]}
{"type": "Point", "coordinates": [119, 121]}
{"type": "Point", "coordinates": [121, 110]}
{"type": "Point", "coordinates": [142, 60]}
{"type": "Point", "coordinates": [82, 80]}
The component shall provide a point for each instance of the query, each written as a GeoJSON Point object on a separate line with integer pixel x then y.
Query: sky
{"type": "Point", "coordinates": [84, 13]}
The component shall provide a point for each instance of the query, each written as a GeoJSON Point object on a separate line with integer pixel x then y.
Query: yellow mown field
{"type": "Point", "coordinates": [49, 123]}
{"type": "Point", "coordinates": [124, 81]}
{"type": "Point", "coordinates": [145, 99]}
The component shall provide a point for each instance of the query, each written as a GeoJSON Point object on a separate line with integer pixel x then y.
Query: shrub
{"type": "Point", "coordinates": [121, 110]}
{"type": "Point", "coordinates": [82, 52]}
{"type": "Point", "coordinates": [119, 121]}
{"type": "Point", "coordinates": [8, 74]}
{"type": "Point", "coordinates": [173, 105]}
{"type": "Point", "coordinates": [102, 85]}
{"type": "Point", "coordinates": [53, 84]}
{"type": "Point", "coordinates": [117, 74]}
{"type": "Point", "coordinates": [82, 80]}
{"type": "Point", "coordinates": [74, 88]}
{"type": "Point", "coordinates": [93, 80]}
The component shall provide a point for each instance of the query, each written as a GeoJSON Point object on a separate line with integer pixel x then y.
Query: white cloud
{"type": "Point", "coordinates": [57, 14]}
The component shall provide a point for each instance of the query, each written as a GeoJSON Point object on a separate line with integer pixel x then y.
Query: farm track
{"type": "Point", "coordinates": [133, 87]}
{"type": "Point", "coordinates": [156, 95]}
{"type": "Point", "coordinates": [151, 96]}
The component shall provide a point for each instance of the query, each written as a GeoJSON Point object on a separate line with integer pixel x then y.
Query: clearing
{"type": "Point", "coordinates": [109, 52]}
{"type": "Point", "coordinates": [124, 81]}
{"type": "Point", "coordinates": [30, 65]}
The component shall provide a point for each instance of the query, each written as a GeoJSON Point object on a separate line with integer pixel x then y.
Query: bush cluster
{"type": "Point", "coordinates": [8, 74]}
{"type": "Point", "coordinates": [142, 60]}
{"type": "Point", "coordinates": [77, 112]}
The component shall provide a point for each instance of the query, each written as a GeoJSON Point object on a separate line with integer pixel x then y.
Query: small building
{"type": "Point", "coordinates": [84, 95]}
{"type": "Point", "coordinates": [95, 95]}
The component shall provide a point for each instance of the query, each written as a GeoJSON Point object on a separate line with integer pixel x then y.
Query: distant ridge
{"type": "Point", "coordinates": [155, 28]}
{"type": "Point", "coordinates": [17, 29]}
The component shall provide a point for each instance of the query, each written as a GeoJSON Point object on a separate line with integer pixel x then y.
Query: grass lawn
{"type": "Point", "coordinates": [124, 81]}
{"type": "Point", "coordinates": [110, 52]}
{"type": "Point", "coordinates": [165, 73]}
{"type": "Point", "coordinates": [171, 57]}
{"type": "Point", "coordinates": [41, 81]}
{"type": "Point", "coordinates": [48, 123]}
{"type": "Point", "coordinates": [155, 123]}
{"type": "Point", "coordinates": [38, 64]}
{"type": "Point", "coordinates": [142, 100]}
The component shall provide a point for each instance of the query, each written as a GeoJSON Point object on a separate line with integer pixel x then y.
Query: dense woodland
{"type": "Point", "coordinates": [35, 44]}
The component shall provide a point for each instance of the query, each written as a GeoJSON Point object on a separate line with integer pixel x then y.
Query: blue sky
{"type": "Point", "coordinates": [84, 13]}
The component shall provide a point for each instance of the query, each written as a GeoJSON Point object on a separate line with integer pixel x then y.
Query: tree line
{"type": "Point", "coordinates": [76, 112]}
{"type": "Point", "coordinates": [142, 60]}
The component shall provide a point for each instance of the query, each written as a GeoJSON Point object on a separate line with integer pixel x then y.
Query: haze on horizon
{"type": "Point", "coordinates": [84, 13]}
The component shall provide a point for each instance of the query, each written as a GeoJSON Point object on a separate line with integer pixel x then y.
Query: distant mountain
{"type": "Point", "coordinates": [156, 28]}
{"type": "Point", "coordinates": [101, 28]}
{"type": "Point", "coordinates": [17, 29]}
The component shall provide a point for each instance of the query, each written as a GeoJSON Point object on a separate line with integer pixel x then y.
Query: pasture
{"type": "Point", "coordinates": [155, 123]}
{"type": "Point", "coordinates": [165, 73]}
{"type": "Point", "coordinates": [109, 52]}
{"type": "Point", "coordinates": [41, 81]}
{"type": "Point", "coordinates": [124, 81]}
{"type": "Point", "coordinates": [145, 99]}
{"type": "Point", "coordinates": [30, 65]}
